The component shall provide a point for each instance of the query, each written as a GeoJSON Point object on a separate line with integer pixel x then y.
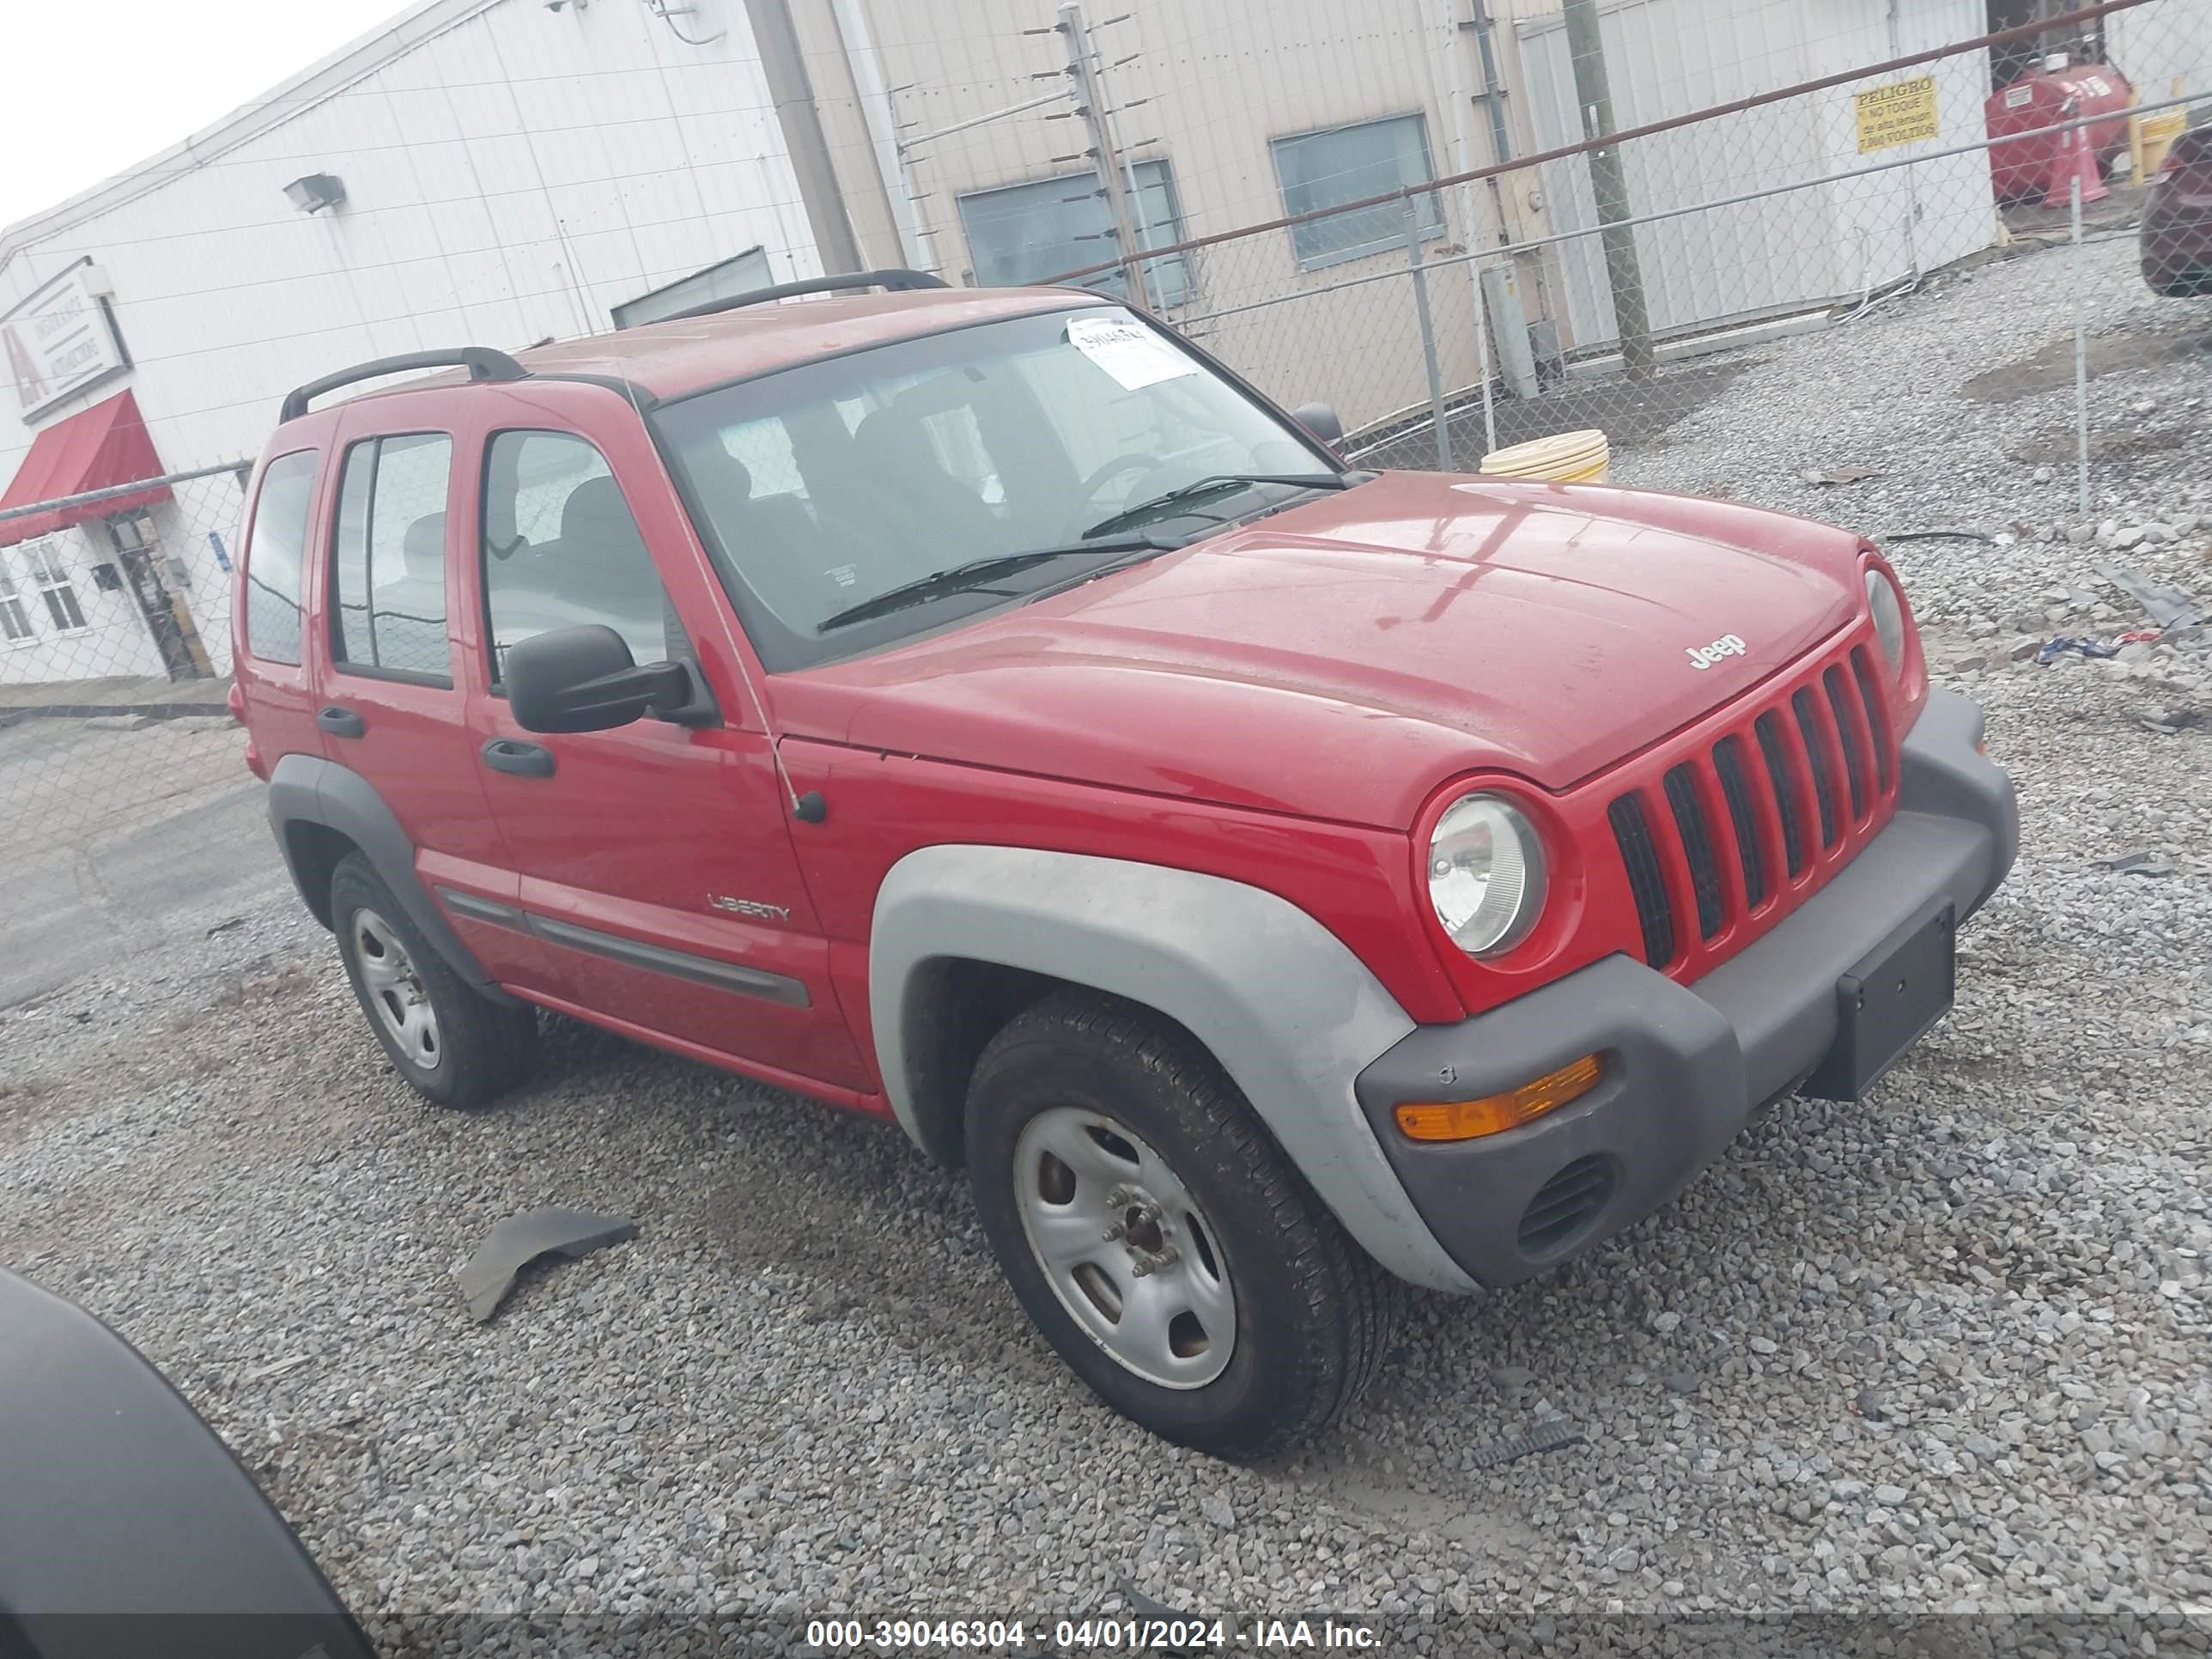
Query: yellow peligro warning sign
{"type": "Point", "coordinates": [1902, 113]}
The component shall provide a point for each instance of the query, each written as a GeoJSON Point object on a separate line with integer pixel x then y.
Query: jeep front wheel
{"type": "Point", "coordinates": [1158, 1237]}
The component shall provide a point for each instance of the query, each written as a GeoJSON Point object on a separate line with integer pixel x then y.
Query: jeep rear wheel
{"type": "Point", "coordinates": [456, 1046]}
{"type": "Point", "coordinates": [1159, 1239]}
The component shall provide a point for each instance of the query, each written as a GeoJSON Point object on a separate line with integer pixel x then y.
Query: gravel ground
{"type": "Point", "coordinates": [1945, 1349]}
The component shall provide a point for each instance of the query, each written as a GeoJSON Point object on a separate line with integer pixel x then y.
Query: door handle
{"type": "Point", "coordinates": [340, 722]}
{"type": "Point", "coordinates": [524, 760]}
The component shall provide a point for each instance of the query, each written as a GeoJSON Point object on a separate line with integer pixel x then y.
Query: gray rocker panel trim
{"type": "Point", "coordinates": [679, 964]}
{"type": "Point", "coordinates": [308, 789]}
{"type": "Point", "coordinates": [1291, 1013]}
{"type": "Point", "coordinates": [722, 976]}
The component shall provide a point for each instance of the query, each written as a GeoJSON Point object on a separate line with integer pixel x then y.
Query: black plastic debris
{"type": "Point", "coordinates": [2141, 863]}
{"type": "Point", "coordinates": [1962, 533]}
{"type": "Point", "coordinates": [1550, 1435]}
{"type": "Point", "coordinates": [486, 1276]}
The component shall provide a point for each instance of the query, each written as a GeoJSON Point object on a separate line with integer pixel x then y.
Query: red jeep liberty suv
{"type": "Point", "coordinates": [981, 709]}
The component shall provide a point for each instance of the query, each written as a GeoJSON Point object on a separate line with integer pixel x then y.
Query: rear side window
{"type": "Point", "coordinates": [560, 547]}
{"type": "Point", "coordinates": [273, 557]}
{"type": "Point", "coordinates": [388, 558]}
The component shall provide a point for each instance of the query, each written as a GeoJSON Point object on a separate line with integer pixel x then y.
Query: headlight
{"type": "Point", "coordinates": [1888, 617]}
{"type": "Point", "coordinates": [1486, 874]}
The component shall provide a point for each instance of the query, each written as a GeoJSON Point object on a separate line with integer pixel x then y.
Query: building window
{"type": "Point", "coordinates": [742, 275]}
{"type": "Point", "coordinates": [1028, 233]}
{"type": "Point", "coordinates": [1347, 164]}
{"type": "Point", "coordinates": [14, 620]}
{"type": "Point", "coordinates": [55, 587]}
{"type": "Point", "coordinates": [388, 558]}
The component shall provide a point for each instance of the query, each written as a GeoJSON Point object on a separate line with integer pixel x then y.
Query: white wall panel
{"type": "Point", "coordinates": [2160, 45]}
{"type": "Point", "coordinates": [1671, 57]}
{"type": "Point", "coordinates": [514, 176]}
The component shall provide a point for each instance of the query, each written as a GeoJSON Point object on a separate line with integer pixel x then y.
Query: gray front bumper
{"type": "Point", "coordinates": [1686, 1066]}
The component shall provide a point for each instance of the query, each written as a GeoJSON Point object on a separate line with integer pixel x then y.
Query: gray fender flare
{"type": "Point", "coordinates": [308, 789]}
{"type": "Point", "coordinates": [1289, 1011]}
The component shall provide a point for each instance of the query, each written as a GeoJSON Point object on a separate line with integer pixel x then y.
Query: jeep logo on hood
{"type": "Point", "coordinates": [1705, 656]}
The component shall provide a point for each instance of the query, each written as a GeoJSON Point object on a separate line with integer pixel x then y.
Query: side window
{"type": "Point", "coordinates": [274, 553]}
{"type": "Point", "coordinates": [560, 547]}
{"type": "Point", "coordinates": [1349, 164]}
{"type": "Point", "coordinates": [14, 620]}
{"type": "Point", "coordinates": [56, 585]}
{"type": "Point", "coordinates": [388, 557]}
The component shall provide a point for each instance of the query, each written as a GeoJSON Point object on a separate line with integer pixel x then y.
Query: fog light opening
{"type": "Point", "coordinates": [1465, 1120]}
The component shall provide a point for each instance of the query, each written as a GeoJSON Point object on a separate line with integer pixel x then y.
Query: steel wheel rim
{"type": "Point", "coordinates": [395, 991]}
{"type": "Point", "coordinates": [1125, 1247]}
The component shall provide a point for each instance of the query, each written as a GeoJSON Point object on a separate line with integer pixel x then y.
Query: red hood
{"type": "Point", "coordinates": [1342, 660]}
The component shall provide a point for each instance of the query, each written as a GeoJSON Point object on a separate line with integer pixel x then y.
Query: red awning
{"type": "Point", "coordinates": [96, 448]}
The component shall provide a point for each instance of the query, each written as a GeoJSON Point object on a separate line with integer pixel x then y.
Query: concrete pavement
{"type": "Point", "coordinates": [114, 840]}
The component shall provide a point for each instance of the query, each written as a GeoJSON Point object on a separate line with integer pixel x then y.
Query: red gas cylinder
{"type": "Point", "coordinates": [2020, 156]}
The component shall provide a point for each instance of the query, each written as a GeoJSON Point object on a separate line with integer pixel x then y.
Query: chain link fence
{"type": "Point", "coordinates": [115, 613]}
{"type": "Point", "coordinates": [1440, 331]}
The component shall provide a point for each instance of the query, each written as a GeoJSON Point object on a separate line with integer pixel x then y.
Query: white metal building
{"type": "Point", "coordinates": [1231, 113]}
{"type": "Point", "coordinates": [503, 171]}
{"type": "Point", "coordinates": [1779, 253]}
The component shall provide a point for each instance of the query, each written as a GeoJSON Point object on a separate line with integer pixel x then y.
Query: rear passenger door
{"type": "Point", "coordinates": [389, 701]}
{"type": "Point", "coordinates": [268, 621]}
{"type": "Point", "coordinates": [656, 858]}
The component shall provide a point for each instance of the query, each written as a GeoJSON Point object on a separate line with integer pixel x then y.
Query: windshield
{"type": "Point", "coordinates": [820, 487]}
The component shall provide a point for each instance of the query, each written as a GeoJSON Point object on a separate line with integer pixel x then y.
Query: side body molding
{"type": "Point", "coordinates": [1291, 1015]}
{"type": "Point", "coordinates": [308, 789]}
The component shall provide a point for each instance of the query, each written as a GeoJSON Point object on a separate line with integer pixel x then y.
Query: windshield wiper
{"type": "Point", "coordinates": [979, 572]}
{"type": "Point", "coordinates": [1213, 484]}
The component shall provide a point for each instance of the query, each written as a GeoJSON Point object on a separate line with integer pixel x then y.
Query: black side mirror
{"type": "Point", "coordinates": [1320, 420]}
{"type": "Point", "coordinates": [584, 679]}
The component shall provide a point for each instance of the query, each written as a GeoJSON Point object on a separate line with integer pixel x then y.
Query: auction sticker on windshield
{"type": "Point", "coordinates": [1126, 349]}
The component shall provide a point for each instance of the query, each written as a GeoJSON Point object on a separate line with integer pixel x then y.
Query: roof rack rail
{"type": "Point", "coordinates": [897, 282]}
{"type": "Point", "coordinates": [481, 362]}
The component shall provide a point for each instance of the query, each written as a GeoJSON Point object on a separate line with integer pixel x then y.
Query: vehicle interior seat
{"type": "Point", "coordinates": [410, 613]}
{"type": "Point", "coordinates": [605, 569]}
{"type": "Point", "coordinates": [913, 497]}
{"type": "Point", "coordinates": [772, 540]}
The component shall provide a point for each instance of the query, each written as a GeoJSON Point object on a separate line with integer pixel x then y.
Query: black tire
{"type": "Point", "coordinates": [1314, 1313]}
{"type": "Point", "coordinates": [482, 1048]}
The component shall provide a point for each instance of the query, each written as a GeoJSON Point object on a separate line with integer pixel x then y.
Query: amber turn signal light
{"type": "Point", "coordinates": [1464, 1120]}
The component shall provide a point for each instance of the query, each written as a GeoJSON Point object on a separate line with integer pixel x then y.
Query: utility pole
{"type": "Point", "coordinates": [1090, 105]}
{"type": "Point", "coordinates": [1610, 185]}
{"type": "Point", "coordinates": [793, 91]}
{"type": "Point", "coordinates": [1111, 114]}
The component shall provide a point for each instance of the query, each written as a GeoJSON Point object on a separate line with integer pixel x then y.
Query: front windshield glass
{"type": "Point", "coordinates": [822, 486]}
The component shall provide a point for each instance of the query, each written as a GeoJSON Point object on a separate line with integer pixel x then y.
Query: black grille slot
{"type": "Point", "coordinates": [1565, 1205]}
{"type": "Point", "coordinates": [1768, 727]}
{"type": "Point", "coordinates": [1816, 757]}
{"type": "Point", "coordinates": [1877, 722]}
{"type": "Point", "coordinates": [1735, 790]}
{"type": "Point", "coordinates": [1645, 882]}
{"type": "Point", "coordinates": [1697, 847]}
{"type": "Point", "coordinates": [1847, 735]}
